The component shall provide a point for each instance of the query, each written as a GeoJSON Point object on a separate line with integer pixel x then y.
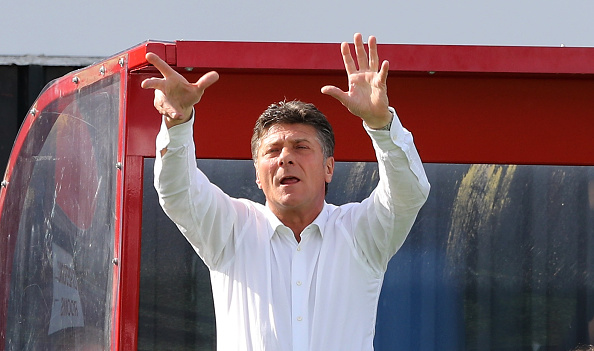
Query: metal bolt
{"type": "Point", "coordinates": [115, 261]}
{"type": "Point", "coordinates": [33, 111]}
{"type": "Point", "coordinates": [121, 62]}
{"type": "Point", "coordinates": [75, 80]}
{"type": "Point", "coordinates": [102, 70]}
{"type": "Point", "coordinates": [119, 165]}
{"type": "Point", "coordinates": [4, 183]}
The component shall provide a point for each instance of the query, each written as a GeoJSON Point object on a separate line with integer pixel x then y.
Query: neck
{"type": "Point", "coordinates": [297, 220]}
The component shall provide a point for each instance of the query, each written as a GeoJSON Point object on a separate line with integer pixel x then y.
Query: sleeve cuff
{"type": "Point", "coordinates": [396, 136]}
{"type": "Point", "coordinates": [176, 136]}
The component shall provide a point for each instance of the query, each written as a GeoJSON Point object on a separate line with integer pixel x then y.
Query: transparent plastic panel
{"type": "Point", "coordinates": [501, 257]}
{"type": "Point", "coordinates": [61, 277]}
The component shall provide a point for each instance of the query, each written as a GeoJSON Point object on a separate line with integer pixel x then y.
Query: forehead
{"type": "Point", "coordinates": [289, 132]}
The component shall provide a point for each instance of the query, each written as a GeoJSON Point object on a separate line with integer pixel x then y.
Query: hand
{"type": "Point", "coordinates": [368, 93]}
{"type": "Point", "coordinates": [174, 95]}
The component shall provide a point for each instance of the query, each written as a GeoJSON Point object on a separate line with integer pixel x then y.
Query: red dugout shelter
{"type": "Point", "coordinates": [506, 134]}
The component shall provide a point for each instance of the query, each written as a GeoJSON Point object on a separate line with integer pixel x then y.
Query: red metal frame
{"type": "Point", "coordinates": [464, 104]}
{"type": "Point", "coordinates": [404, 58]}
{"type": "Point", "coordinates": [129, 285]}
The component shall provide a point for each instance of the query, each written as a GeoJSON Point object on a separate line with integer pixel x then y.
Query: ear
{"type": "Point", "coordinates": [257, 176]}
{"type": "Point", "coordinates": [329, 167]}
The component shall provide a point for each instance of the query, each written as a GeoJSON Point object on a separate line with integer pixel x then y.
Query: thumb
{"type": "Point", "coordinates": [207, 80]}
{"type": "Point", "coordinates": [152, 83]}
{"type": "Point", "coordinates": [335, 92]}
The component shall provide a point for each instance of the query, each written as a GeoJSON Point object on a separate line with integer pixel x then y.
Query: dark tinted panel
{"type": "Point", "coordinates": [500, 258]}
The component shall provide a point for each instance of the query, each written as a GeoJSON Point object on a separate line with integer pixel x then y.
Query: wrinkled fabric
{"type": "Point", "coordinates": [273, 293]}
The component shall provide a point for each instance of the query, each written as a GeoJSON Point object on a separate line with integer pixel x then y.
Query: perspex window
{"type": "Point", "coordinates": [63, 197]}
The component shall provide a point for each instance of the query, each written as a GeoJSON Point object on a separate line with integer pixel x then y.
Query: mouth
{"type": "Point", "coordinates": [289, 180]}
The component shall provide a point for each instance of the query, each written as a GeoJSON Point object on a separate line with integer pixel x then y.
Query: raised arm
{"type": "Point", "coordinates": [367, 96]}
{"type": "Point", "coordinates": [381, 223]}
{"type": "Point", "coordinates": [203, 213]}
{"type": "Point", "coordinates": [174, 95]}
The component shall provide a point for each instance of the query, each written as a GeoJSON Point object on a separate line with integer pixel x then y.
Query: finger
{"type": "Point", "coordinates": [335, 92]}
{"type": "Point", "coordinates": [153, 83]}
{"type": "Point", "coordinates": [172, 111]}
{"type": "Point", "coordinates": [373, 56]}
{"type": "Point", "coordinates": [159, 64]}
{"type": "Point", "coordinates": [361, 53]}
{"type": "Point", "coordinates": [207, 80]}
{"type": "Point", "coordinates": [383, 73]}
{"type": "Point", "coordinates": [347, 58]}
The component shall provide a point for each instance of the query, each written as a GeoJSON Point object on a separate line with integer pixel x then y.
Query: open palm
{"type": "Point", "coordinates": [174, 95]}
{"type": "Point", "coordinates": [367, 96]}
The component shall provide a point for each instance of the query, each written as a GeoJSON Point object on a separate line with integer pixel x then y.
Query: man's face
{"type": "Point", "coordinates": [290, 168]}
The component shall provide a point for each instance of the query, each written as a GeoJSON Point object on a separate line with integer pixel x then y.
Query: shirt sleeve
{"type": "Point", "coordinates": [383, 221]}
{"type": "Point", "coordinates": [201, 211]}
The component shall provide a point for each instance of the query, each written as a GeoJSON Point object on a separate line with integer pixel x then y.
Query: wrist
{"type": "Point", "coordinates": [386, 127]}
{"type": "Point", "coordinates": [179, 119]}
{"type": "Point", "coordinates": [383, 123]}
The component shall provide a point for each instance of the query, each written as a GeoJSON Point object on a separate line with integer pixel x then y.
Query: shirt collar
{"type": "Point", "coordinates": [320, 220]}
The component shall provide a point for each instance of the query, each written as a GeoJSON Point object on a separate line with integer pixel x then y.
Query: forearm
{"type": "Point", "coordinates": [402, 177]}
{"type": "Point", "coordinates": [202, 212]}
{"type": "Point", "coordinates": [173, 172]}
{"type": "Point", "coordinates": [393, 206]}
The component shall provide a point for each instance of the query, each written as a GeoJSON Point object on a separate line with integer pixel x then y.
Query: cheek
{"type": "Point", "coordinates": [264, 172]}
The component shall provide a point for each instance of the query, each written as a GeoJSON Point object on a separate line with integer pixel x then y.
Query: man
{"type": "Point", "coordinates": [296, 273]}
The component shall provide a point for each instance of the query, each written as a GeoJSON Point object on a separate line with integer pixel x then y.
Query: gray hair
{"type": "Point", "coordinates": [294, 112]}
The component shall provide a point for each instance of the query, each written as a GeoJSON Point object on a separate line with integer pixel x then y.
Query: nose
{"type": "Point", "coordinates": [285, 157]}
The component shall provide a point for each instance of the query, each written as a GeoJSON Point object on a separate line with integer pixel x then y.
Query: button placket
{"type": "Point", "coordinates": [299, 297]}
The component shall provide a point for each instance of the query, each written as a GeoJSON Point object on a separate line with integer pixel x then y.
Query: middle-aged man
{"type": "Point", "coordinates": [296, 273]}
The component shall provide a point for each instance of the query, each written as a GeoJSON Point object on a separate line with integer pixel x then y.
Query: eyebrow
{"type": "Point", "coordinates": [292, 141]}
{"type": "Point", "coordinates": [300, 140]}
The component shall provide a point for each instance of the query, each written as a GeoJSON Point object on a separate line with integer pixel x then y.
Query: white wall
{"type": "Point", "coordinates": [103, 28]}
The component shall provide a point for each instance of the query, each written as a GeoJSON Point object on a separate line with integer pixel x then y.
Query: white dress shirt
{"type": "Point", "coordinates": [273, 293]}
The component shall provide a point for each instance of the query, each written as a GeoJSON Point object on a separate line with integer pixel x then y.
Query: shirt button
{"type": "Point", "coordinates": [298, 248]}
{"type": "Point", "coordinates": [299, 283]}
{"type": "Point", "coordinates": [299, 318]}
